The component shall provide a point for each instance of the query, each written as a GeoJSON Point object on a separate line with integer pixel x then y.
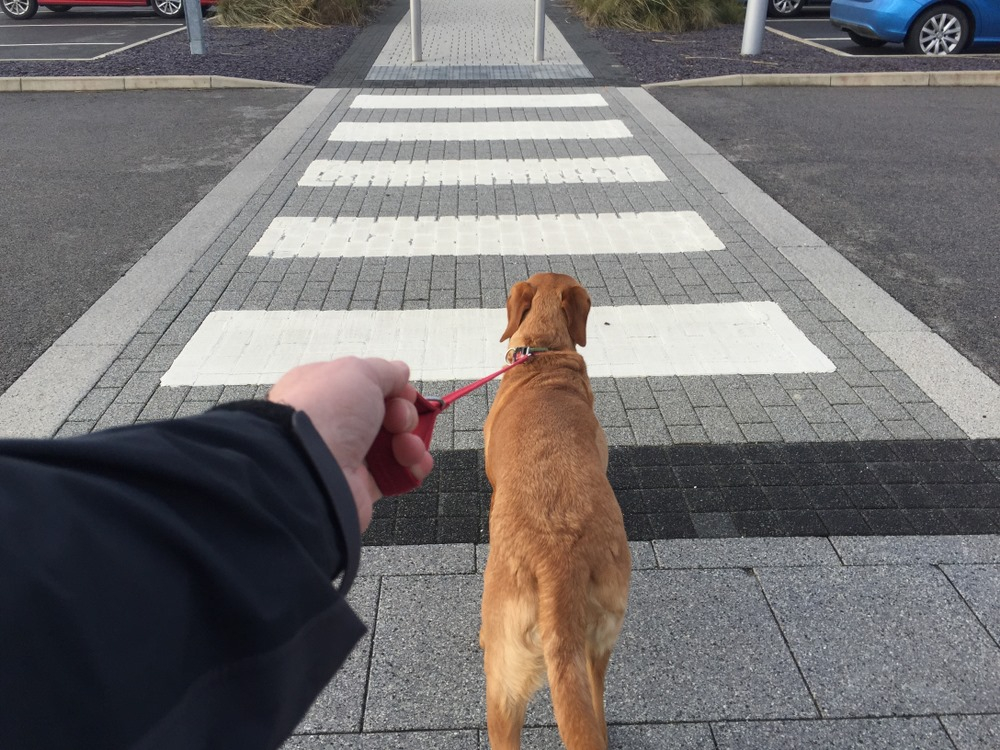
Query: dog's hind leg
{"type": "Point", "coordinates": [512, 657]}
{"type": "Point", "coordinates": [508, 691]}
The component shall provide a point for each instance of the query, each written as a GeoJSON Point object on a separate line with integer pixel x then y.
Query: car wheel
{"type": "Point", "coordinates": [784, 8]}
{"type": "Point", "coordinates": [20, 10]}
{"type": "Point", "coordinates": [168, 8]}
{"type": "Point", "coordinates": [865, 41]}
{"type": "Point", "coordinates": [941, 30]}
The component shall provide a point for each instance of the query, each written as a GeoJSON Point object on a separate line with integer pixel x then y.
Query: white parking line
{"type": "Point", "coordinates": [550, 234]}
{"type": "Point", "coordinates": [66, 44]}
{"type": "Point", "coordinates": [336, 173]}
{"type": "Point", "coordinates": [257, 346]}
{"type": "Point", "coordinates": [81, 25]}
{"type": "Point", "coordinates": [479, 131]}
{"type": "Point", "coordinates": [476, 101]}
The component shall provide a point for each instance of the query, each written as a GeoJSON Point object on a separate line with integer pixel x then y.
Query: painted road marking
{"type": "Point", "coordinates": [257, 346]}
{"type": "Point", "coordinates": [336, 173]}
{"type": "Point", "coordinates": [477, 101]}
{"type": "Point", "coordinates": [547, 130]}
{"type": "Point", "coordinates": [551, 234]}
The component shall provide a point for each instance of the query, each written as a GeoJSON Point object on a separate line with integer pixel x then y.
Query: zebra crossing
{"type": "Point", "coordinates": [254, 347]}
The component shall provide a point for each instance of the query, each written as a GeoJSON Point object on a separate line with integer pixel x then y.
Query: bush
{"type": "Point", "coordinates": [660, 15]}
{"type": "Point", "coordinates": [291, 13]}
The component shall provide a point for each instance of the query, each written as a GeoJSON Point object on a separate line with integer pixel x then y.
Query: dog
{"type": "Point", "coordinates": [557, 578]}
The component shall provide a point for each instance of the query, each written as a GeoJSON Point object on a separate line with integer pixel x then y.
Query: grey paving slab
{"type": "Point", "coordinates": [643, 556]}
{"type": "Point", "coordinates": [426, 667]}
{"type": "Point", "coordinates": [884, 641]}
{"type": "Point", "coordinates": [884, 734]}
{"type": "Point", "coordinates": [701, 645]}
{"type": "Point", "coordinates": [979, 585]}
{"type": "Point", "coordinates": [965, 393]}
{"type": "Point", "coordinates": [973, 732]}
{"type": "Point", "coordinates": [339, 707]}
{"type": "Point", "coordinates": [880, 550]}
{"type": "Point", "coordinates": [468, 740]}
{"type": "Point", "coordinates": [644, 737]}
{"type": "Point", "coordinates": [418, 559]}
{"type": "Point", "coordinates": [744, 553]}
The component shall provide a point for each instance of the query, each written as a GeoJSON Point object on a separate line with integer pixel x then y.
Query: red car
{"type": "Point", "coordinates": [22, 10]}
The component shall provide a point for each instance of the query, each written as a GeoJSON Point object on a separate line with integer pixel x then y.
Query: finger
{"type": "Point", "coordinates": [408, 449]}
{"type": "Point", "coordinates": [400, 415]}
{"type": "Point", "coordinates": [391, 377]}
{"type": "Point", "coordinates": [423, 469]}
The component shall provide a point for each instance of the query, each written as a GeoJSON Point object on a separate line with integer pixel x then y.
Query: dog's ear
{"type": "Point", "coordinates": [576, 304]}
{"type": "Point", "coordinates": [518, 303]}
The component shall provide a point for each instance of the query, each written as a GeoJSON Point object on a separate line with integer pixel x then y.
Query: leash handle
{"type": "Point", "coordinates": [392, 477]}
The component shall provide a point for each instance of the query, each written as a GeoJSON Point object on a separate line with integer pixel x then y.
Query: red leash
{"type": "Point", "coordinates": [391, 477]}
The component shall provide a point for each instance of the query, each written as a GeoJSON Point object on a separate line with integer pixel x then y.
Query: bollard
{"type": "Point", "coordinates": [415, 30]}
{"type": "Point", "coordinates": [195, 26]}
{"type": "Point", "coordinates": [539, 30]}
{"type": "Point", "coordinates": [753, 27]}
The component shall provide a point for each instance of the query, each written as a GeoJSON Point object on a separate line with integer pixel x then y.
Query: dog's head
{"type": "Point", "coordinates": [548, 310]}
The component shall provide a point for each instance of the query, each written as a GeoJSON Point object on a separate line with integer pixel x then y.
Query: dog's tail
{"type": "Point", "coordinates": [562, 624]}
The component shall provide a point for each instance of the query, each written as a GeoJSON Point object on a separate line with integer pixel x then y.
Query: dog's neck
{"type": "Point", "coordinates": [518, 352]}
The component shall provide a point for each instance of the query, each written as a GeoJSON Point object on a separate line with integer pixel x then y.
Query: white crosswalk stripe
{"type": "Point", "coordinates": [257, 346]}
{"type": "Point", "coordinates": [477, 101]}
{"type": "Point", "coordinates": [479, 131]}
{"type": "Point", "coordinates": [349, 237]}
{"type": "Point", "coordinates": [435, 172]}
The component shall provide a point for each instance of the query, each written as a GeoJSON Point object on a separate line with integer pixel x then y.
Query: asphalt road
{"type": "Point", "coordinates": [903, 182]}
{"type": "Point", "coordinates": [93, 181]}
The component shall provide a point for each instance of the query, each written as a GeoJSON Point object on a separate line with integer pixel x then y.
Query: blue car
{"type": "Point", "coordinates": [925, 27]}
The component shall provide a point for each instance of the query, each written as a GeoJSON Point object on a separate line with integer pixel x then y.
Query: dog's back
{"type": "Point", "coordinates": [556, 582]}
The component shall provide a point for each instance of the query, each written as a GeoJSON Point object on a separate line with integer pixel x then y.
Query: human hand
{"type": "Point", "coordinates": [348, 400]}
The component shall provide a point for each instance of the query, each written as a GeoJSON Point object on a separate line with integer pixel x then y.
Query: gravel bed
{"type": "Point", "coordinates": [302, 56]}
{"type": "Point", "coordinates": [306, 56]}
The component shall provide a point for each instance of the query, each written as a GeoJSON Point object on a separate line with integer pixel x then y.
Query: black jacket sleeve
{"type": "Point", "coordinates": [169, 585]}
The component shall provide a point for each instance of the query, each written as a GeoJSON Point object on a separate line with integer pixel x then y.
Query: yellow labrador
{"type": "Point", "coordinates": [557, 578]}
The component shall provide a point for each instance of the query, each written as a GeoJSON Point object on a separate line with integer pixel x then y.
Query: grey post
{"type": "Point", "coordinates": [415, 30]}
{"type": "Point", "coordinates": [195, 26]}
{"type": "Point", "coordinates": [753, 27]}
{"type": "Point", "coordinates": [539, 30]}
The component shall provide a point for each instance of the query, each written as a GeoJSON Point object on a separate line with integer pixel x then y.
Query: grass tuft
{"type": "Point", "coordinates": [674, 16]}
{"type": "Point", "coordinates": [284, 14]}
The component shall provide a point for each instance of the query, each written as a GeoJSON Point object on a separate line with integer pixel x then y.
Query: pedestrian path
{"type": "Point", "coordinates": [814, 509]}
{"type": "Point", "coordinates": [496, 43]}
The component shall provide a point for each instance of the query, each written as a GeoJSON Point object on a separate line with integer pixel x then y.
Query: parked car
{"type": "Point", "coordinates": [22, 10]}
{"type": "Point", "coordinates": [924, 27]}
{"type": "Point", "coordinates": [790, 8]}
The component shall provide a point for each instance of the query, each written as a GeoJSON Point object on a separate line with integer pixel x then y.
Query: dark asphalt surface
{"type": "Point", "coordinates": [92, 181]}
{"type": "Point", "coordinates": [903, 182]}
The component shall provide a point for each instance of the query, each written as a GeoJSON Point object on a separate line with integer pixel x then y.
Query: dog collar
{"type": "Point", "coordinates": [516, 352]}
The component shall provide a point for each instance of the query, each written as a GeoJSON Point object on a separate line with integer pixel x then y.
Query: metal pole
{"type": "Point", "coordinates": [415, 30]}
{"type": "Point", "coordinates": [195, 26]}
{"type": "Point", "coordinates": [753, 27]}
{"type": "Point", "coordinates": [539, 30]}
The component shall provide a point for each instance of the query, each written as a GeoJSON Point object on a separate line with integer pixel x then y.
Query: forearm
{"type": "Point", "coordinates": [149, 572]}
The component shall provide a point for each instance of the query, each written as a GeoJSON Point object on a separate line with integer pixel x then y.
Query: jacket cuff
{"type": "Point", "coordinates": [340, 499]}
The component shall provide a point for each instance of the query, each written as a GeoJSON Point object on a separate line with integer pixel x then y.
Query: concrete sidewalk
{"type": "Point", "coordinates": [762, 397]}
{"type": "Point", "coordinates": [781, 643]}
